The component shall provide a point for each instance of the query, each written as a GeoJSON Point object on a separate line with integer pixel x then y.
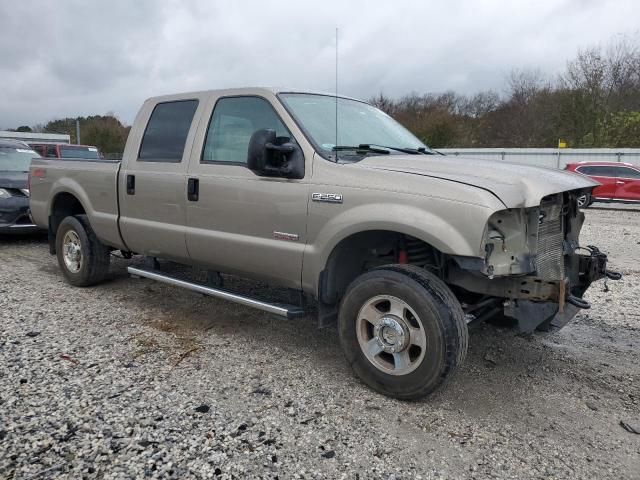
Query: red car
{"type": "Point", "coordinates": [620, 181]}
{"type": "Point", "coordinates": [65, 150]}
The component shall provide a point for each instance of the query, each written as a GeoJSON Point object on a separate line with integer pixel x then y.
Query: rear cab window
{"type": "Point", "coordinates": [52, 152]}
{"type": "Point", "coordinates": [90, 153]}
{"type": "Point", "coordinates": [166, 133]}
{"type": "Point", "coordinates": [40, 149]}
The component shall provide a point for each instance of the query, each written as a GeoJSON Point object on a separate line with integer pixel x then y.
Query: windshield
{"type": "Point", "coordinates": [358, 123]}
{"type": "Point", "coordinates": [14, 159]}
{"type": "Point", "coordinates": [78, 152]}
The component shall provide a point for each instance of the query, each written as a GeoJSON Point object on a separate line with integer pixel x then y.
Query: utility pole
{"type": "Point", "coordinates": [78, 131]}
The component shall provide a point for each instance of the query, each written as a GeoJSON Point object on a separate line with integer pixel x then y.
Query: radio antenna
{"type": "Point", "coordinates": [337, 86]}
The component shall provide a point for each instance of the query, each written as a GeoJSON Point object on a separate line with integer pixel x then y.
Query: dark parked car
{"type": "Point", "coordinates": [15, 158]}
{"type": "Point", "coordinates": [65, 150]}
{"type": "Point", "coordinates": [620, 182]}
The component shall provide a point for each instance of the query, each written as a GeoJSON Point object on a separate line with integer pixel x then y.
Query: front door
{"type": "Point", "coordinates": [606, 175]}
{"type": "Point", "coordinates": [153, 187]}
{"type": "Point", "coordinates": [628, 184]}
{"type": "Point", "coordinates": [240, 222]}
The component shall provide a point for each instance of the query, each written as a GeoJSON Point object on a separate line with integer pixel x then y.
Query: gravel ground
{"type": "Point", "coordinates": [138, 379]}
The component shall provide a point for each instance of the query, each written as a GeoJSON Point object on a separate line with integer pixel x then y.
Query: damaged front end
{"type": "Point", "coordinates": [534, 269]}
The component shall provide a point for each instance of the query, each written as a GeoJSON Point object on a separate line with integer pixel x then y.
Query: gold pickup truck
{"type": "Point", "coordinates": [331, 197]}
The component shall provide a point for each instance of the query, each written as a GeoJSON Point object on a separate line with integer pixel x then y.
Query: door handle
{"type": "Point", "coordinates": [193, 188]}
{"type": "Point", "coordinates": [619, 183]}
{"type": "Point", "coordinates": [131, 184]}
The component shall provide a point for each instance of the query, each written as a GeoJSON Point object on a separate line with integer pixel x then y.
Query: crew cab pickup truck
{"type": "Point", "coordinates": [331, 197]}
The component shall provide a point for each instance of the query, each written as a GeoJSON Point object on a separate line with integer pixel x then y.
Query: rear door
{"type": "Point", "coordinates": [240, 222]}
{"type": "Point", "coordinates": [152, 180]}
{"type": "Point", "coordinates": [628, 184]}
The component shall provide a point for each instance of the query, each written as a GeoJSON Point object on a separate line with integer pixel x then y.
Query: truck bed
{"type": "Point", "coordinates": [93, 182]}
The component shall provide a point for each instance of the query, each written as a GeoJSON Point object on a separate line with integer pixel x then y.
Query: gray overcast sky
{"type": "Point", "coordinates": [74, 57]}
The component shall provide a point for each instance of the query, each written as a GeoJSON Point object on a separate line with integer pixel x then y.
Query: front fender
{"type": "Point", "coordinates": [457, 230]}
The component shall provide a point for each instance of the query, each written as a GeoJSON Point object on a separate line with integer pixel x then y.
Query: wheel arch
{"type": "Point", "coordinates": [63, 204]}
{"type": "Point", "coordinates": [347, 259]}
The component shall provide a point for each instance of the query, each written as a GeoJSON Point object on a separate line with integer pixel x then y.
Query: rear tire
{"type": "Point", "coordinates": [402, 331]}
{"type": "Point", "coordinates": [82, 258]}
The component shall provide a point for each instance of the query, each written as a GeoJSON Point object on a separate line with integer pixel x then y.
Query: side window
{"type": "Point", "coordinates": [166, 132]}
{"type": "Point", "coordinates": [232, 123]}
{"type": "Point", "coordinates": [626, 172]}
{"type": "Point", "coordinates": [599, 171]}
{"type": "Point", "coordinates": [611, 172]}
{"type": "Point", "coordinates": [594, 171]}
{"type": "Point", "coordinates": [52, 152]}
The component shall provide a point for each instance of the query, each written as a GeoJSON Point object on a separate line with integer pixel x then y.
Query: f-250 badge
{"type": "Point", "coordinates": [327, 197]}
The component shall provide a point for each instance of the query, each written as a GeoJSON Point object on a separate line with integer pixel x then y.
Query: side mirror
{"type": "Point", "coordinates": [271, 156]}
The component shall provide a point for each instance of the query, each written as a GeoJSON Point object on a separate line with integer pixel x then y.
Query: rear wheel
{"type": "Point", "coordinates": [82, 258]}
{"type": "Point", "coordinates": [402, 330]}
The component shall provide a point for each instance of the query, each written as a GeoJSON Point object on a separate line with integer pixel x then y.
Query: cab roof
{"type": "Point", "coordinates": [261, 91]}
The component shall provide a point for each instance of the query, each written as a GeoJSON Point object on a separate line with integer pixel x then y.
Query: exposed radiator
{"type": "Point", "coordinates": [550, 260]}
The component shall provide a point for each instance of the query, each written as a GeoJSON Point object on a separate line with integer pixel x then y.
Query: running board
{"type": "Point", "coordinates": [288, 311]}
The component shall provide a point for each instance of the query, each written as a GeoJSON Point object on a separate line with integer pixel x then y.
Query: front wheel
{"type": "Point", "coordinates": [584, 200]}
{"type": "Point", "coordinates": [82, 258]}
{"type": "Point", "coordinates": [402, 330]}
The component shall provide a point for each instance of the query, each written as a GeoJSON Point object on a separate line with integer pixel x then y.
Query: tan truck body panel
{"type": "Point", "coordinates": [235, 227]}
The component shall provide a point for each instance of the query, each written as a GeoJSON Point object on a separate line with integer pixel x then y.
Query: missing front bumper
{"type": "Point", "coordinates": [567, 301]}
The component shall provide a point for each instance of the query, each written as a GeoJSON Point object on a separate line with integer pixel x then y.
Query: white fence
{"type": "Point", "coordinates": [32, 137]}
{"type": "Point", "coordinates": [549, 157]}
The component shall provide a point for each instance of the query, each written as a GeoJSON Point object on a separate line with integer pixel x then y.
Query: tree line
{"type": "Point", "coordinates": [106, 132]}
{"type": "Point", "coordinates": [595, 102]}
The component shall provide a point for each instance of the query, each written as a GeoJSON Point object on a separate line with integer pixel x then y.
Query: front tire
{"type": "Point", "coordinates": [584, 201]}
{"type": "Point", "coordinates": [82, 258]}
{"type": "Point", "coordinates": [402, 331]}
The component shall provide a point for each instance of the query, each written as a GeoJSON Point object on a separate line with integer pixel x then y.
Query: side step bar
{"type": "Point", "coordinates": [288, 311]}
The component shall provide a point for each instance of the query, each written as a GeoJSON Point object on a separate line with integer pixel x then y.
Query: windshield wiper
{"type": "Point", "coordinates": [384, 149]}
{"type": "Point", "coordinates": [363, 147]}
{"type": "Point", "coordinates": [409, 150]}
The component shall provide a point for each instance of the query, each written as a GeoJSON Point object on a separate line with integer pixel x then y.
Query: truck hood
{"type": "Point", "coordinates": [514, 184]}
{"type": "Point", "coordinates": [13, 179]}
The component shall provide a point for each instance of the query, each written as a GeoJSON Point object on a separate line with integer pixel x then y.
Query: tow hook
{"type": "Point", "coordinates": [578, 302]}
{"type": "Point", "coordinates": [600, 261]}
{"type": "Point", "coordinates": [611, 275]}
